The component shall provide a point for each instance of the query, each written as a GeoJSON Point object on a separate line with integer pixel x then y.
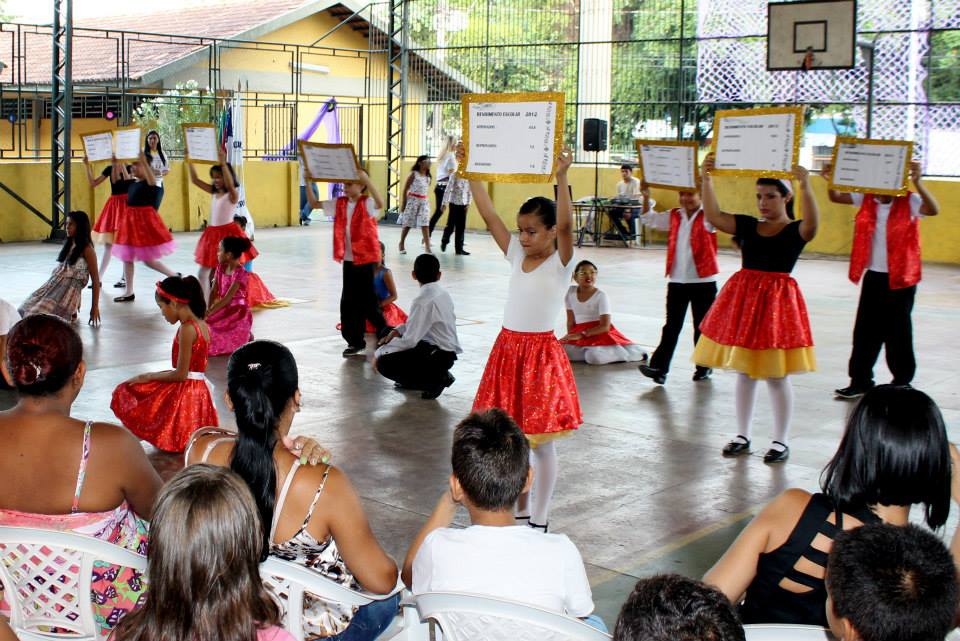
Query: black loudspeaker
{"type": "Point", "coordinates": [594, 134]}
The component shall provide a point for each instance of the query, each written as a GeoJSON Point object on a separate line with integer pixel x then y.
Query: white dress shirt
{"type": "Point", "coordinates": [684, 268]}
{"type": "Point", "coordinates": [431, 319]}
{"type": "Point", "coordinates": [878, 247]}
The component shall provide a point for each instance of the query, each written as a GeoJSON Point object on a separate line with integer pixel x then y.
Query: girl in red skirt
{"type": "Point", "coordinates": [758, 324]}
{"type": "Point", "coordinates": [113, 209]}
{"type": "Point", "coordinates": [165, 408]}
{"type": "Point", "coordinates": [591, 336]}
{"type": "Point", "coordinates": [223, 186]}
{"type": "Point", "coordinates": [141, 234]}
{"type": "Point", "coordinates": [528, 374]}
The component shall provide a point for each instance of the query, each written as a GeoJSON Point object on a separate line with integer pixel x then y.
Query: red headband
{"type": "Point", "coordinates": [169, 295]}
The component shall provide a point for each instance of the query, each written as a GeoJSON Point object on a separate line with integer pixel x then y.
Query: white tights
{"type": "Point", "coordinates": [781, 398]}
{"type": "Point", "coordinates": [105, 261]}
{"type": "Point", "coordinates": [536, 503]}
{"type": "Point", "coordinates": [155, 265]}
{"type": "Point", "coordinates": [204, 277]}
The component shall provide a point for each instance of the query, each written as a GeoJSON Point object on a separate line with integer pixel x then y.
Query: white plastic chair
{"type": "Point", "coordinates": [471, 617]}
{"type": "Point", "coordinates": [46, 578]}
{"type": "Point", "coordinates": [785, 632]}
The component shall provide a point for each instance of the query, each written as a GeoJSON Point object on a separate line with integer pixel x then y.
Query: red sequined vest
{"type": "Point", "coordinates": [903, 242]}
{"type": "Point", "coordinates": [364, 242]}
{"type": "Point", "coordinates": [703, 244]}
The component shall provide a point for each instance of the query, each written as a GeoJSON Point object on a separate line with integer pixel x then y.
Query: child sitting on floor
{"type": "Point", "coordinates": [495, 556]}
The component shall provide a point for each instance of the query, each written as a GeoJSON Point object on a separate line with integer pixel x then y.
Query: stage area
{"type": "Point", "coordinates": [642, 486]}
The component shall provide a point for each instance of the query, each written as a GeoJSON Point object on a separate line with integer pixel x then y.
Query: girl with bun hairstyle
{"type": "Point", "coordinates": [166, 408]}
{"type": "Point", "coordinates": [229, 313]}
{"type": "Point", "coordinates": [69, 474]}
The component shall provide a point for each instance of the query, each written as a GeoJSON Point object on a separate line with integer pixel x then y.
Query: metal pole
{"type": "Point", "coordinates": [868, 50]}
{"type": "Point", "coordinates": [61, 112]}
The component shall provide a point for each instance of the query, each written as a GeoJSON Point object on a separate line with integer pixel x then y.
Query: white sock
{"type": "Point", "coordinates": [204, 277]}
{"type": "Point", "coordinates": [544, 459]}
{"type": "Point", "coordinates": [746, 394]}
{"type": "Point", "coordinates": [128, 277]}
{"type": "Point", "coordinates": [781, 398]}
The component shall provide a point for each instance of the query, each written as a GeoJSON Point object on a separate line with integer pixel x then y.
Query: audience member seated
{"type": "Point", "coordinates": [894, 454]}
{"type": "Point", "coordinates": [495, 556]}
{"type": "Point", "coordinates": [205, 547]}
{"type": "Point", "coordinates": [310, 515]}
{"type": "Point", "coordinates": [670, 607]}
{"type": "Point", "coordinates": [890, 583]}
{"type": "Point", "coordinates": [67, 474]}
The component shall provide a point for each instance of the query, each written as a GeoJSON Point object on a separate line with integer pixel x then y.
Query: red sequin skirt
{"type": "Point", "coordinates": [141, 235]}
{"type": "Point", "coordinates": [528, 376]}
{"type": "Point", "coordinates": [206, 251]}
{"type": "Point", "coordinates": [758, 325]}
{"type": "Point", "coordinates": [613, 337]}
{"type": "Point", "coordinates": [259, 296]}
{"type": "Point", "coordinates": [109, 218]}
{"type": "Point", "coordinates": [163, 413]}
{"type": "Point", "coordinates": [392, 314]}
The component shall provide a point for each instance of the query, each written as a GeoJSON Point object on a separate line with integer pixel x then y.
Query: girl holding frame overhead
{"type": "Point", "coordinates": [758, 325]}
{"type": "Point", "coordinates": [113, 209]}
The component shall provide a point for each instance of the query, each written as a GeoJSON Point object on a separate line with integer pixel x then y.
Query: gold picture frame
{"type": "Point", "coordinates": [638, 143]}
{"type": "Point", "coordinates": [128, 128]}
{"type": "Point", "coordinates": [797, 111]}
{"type": "Point", "coordinates": [196, 125]}
{"type": "Point", "coordinates": [849, 140]}
{"type": "Point", "coordinates": [301, 144]}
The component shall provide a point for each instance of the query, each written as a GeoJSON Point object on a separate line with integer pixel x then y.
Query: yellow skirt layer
{"type": "Point", "coordinates": [756, 363]}
{"type": "Point", "coordinates": [540, 439]}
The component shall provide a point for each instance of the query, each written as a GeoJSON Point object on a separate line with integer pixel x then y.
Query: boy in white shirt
{"type": "Point", "coordinates": [418, 355]}
{"type": "Point", "coordinates": [495, 556]}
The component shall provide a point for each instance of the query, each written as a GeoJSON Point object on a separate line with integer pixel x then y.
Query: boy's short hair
{"type": "Point", "coordinates": [491, 459]}
{"type": "Point", "coordinates": [626, 166]}
{"type": "Point", "coordinates": [892, 583]}
{"type": "Point", "coordinates": [670, 607]}
{"type": "Point", "coordinates": [426, 268]}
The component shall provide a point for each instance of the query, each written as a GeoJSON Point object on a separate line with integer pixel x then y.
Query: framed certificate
{"type": "Point", "coordinates": [757, 142]}
{"type": "Point", "coordinates": [98, 146]}
{"type": "Point", "coordinates": [511, 137]}
{"type": "Point", "coordinates": [871, 166]}
{"type": "Point", "coordinates": [201, 142]}
{"type": "Point", "coordinates": [329, 163]}
{"type": "Point", "coordinates": [127, 143]}
{"type": "Point", "coordinates": [669, 164]}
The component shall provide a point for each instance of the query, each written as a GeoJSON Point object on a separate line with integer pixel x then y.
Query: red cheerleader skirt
{"type": "Point", "coordinates": [165, 414]}
{"type": "Point", "coordinates": [141, 235]}
{"type": "Point", "coordinates": [206, 252]}
{"type": "Point", "coordinates": [613, 337]}
{"type": "Point", "coordinates": [758, 325]}
{"type": "Point", "coordinates": [109, 218]}
{"type": "Point", "coordinates": [392, 314]}
{"type": "Point", "coordinates": [528, 376]}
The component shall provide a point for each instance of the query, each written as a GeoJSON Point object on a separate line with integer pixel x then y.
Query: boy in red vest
{"type": "Point", "coordinates": [886, 245]}
{"type": "Point", "coordinates": [357, 246]}
{"type": "Point", "coordinates": [692, 270]}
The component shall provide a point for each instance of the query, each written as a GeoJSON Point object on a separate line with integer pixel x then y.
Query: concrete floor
{"type": "Point", "coordinates": [642, 486]}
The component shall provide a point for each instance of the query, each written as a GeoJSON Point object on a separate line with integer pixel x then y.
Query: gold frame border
{"type": "Point", "coordinates": [186, 151]}
{"type": "Point", "coordinates": [872, 141]}
{"type": "Point", "coordinates": [557, 97]}
{"type": "Point", "coordinates": [306, 168]}
{"type": "Point", "coordinates": [762, 111]}
{"type": "Point", "coordinates": [97, 133]}
{"type": "Point", "coordinates": [128, 128]}
{"type": "Point", "coordinates": [638, 142]}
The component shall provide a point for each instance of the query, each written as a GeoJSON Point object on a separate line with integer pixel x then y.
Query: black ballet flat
{"type": "Point", "coordinates": [777, 456]}
{"type": "Point", "coordinates": [537, 526]}
{"type": "Point", "coordinates": [737, 447]}
{"type": "Point", "coordinates": [125, 299]}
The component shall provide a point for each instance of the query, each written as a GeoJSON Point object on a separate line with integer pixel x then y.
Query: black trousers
{"type": "Point", "coordinates": [699, 296]}
{"type": "Point", "coordinates": [456, 224]}
{"type": "Point", "coordinates": [423, 367]}
{"type": "Point", "coordinates": [883, 320]}
{"type": "Point", "coordinates": [438, 191]}
{"type": "Point", "coordinates": [358, 303]}
{"type": "Point", "coordinates": [617, 216]}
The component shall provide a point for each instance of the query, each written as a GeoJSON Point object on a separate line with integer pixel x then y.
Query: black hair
{"type": "Point", "coordinates": [670, 607]}
{"type": "Point", "coordinates": [894, 451]}
{"type": "Point", "coordinates": [236, 246]}
{"type": "Point", "coordinates": [219, 170]}
{"type": "Point", "coordinates": [146, 146]}
{"type": "Point", "coordinates": [426, 268]}
{"type": "Point", "coordinates": [383, 254]}
{"type": "Point", "coordinates": [583, 263]}
{"type": "Point", "coordinates": [782, 189]}
{"type": "Point", "coordinates": [43, 352]}
{"type": "Point", "coordinates": [627, 166]}
{"type": "Point", "coordinates": [491, 459]}
{"type": "Point", "coordinates": [73, 249]}
{"type": "Point", "coordinates": [186, 287]}
{"type": "Point", "coordinates": [416, 165]}
{"type": "Point", "coordinates": [544, 208]}
{"type": "Point", "coordinates": [241, 221]}
{"type": "Point", "coordinates": [261, 379]}
{"type": "Point", "coordinates": [893, 583]}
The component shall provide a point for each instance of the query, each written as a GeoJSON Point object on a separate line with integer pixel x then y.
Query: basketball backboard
{"type": "Point", "coordinates": [826, 30]}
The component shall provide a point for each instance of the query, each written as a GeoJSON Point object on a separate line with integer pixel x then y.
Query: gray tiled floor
{"type": "Point", "coordinates": [642, 486]}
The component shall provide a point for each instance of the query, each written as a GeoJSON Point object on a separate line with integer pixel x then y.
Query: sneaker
{"type": "Point", "coordinates": [434, 392]}
{"type": "Point", "coordinates": [463, 252]}
{"type": "Point", "coordinates": [120, 284]}
{"type": "Point", "coordinates": [702, 374]}
{"type": "Point", "coordinates": [852, 391]}
{"type": "Point", "coordinates": [355, 351]}
{"type": "Point", "coordinates": [659, 376]}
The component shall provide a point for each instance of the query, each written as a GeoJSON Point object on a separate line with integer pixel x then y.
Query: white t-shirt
{"type": "Point", "coordinates": [878, 248]}
{"type": "Point", "coordinates": [330, 209]}
{"type": "Point", "coordinates": [9, 316]}
{"type": "Point", "coordinates": [446, 167]}
{"type": "Point", "coordinates": [590, 310]}
{"type": "Point", "coordinates": [516, 563]}
{"type": "Point", "coordinates": [535, 299]}
{"type": "Point", "coordinates": [159, 165]}
{"type": "Point", "coordinates": [629, 189]}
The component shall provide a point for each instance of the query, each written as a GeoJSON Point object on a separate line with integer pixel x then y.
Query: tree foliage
{"type": "Point", "coordinates": [168, 111]}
